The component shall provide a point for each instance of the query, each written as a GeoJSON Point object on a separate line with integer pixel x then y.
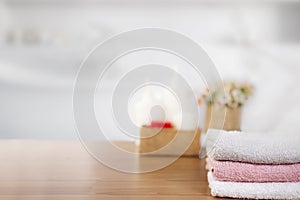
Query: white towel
{"type": "Point", "coordinates": [252, 147]}
{"type": "Point", "coordinates": [282, 190]}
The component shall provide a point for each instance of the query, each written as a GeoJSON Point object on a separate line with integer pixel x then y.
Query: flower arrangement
{"type": "Point", "coordinates": [230, 94]}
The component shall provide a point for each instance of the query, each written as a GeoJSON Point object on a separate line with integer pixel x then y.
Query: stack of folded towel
{"type": "Point", "coordinates": [249, 165]}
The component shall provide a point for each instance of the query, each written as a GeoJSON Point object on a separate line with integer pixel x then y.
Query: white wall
{"type": "Point", "coordinates": [246, 42]}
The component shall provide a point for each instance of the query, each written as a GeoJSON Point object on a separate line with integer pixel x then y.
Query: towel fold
{"type": "Point", "coordinates": [247, 172]}
{"type": "Point", "coordinates": [252, 147]}
{"type": "Point", "coordinates": [254, 190]}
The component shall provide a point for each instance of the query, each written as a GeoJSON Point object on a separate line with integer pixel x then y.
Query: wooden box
{"type": "Point", "coordinates": [169, 142]}
{"type": "Point", "coordinates": [229, 117]}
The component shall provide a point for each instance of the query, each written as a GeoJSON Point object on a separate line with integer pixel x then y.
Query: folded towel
{"type": "Point", "coordinates": [254, 190]}
{"type": "Point", "coordinates": [247, 172]}
{"type": "Point", "coordinates": [252, 147]}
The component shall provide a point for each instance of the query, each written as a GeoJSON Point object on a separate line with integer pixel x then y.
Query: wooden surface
{"type": "Point", "coordinates": [64, 170]}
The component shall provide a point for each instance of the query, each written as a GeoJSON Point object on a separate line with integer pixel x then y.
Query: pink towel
{"type": "Point", "coordinates": [247, 172]}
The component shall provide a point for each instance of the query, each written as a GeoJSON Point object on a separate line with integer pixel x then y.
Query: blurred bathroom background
{"type": "Point", "coordinates": [43, 42]}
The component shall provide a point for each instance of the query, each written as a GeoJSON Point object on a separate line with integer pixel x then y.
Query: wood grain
{"type": "Point", "coordinates": [64, 170]}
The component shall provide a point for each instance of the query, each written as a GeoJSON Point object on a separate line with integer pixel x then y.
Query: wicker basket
{"type": "Point", "coordinates": [153, 140]}
{"type": "Point", "coordinates": [231, 119]}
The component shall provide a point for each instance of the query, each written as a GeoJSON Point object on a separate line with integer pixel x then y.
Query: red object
{"type": "Point", "coordinates": [159, 124]}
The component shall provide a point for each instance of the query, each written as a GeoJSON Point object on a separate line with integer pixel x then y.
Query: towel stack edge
{"type": "Point", "coordinates": [253, 166]}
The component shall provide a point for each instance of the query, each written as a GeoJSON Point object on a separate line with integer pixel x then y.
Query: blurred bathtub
{"type": "Point", "coordinates": [36, 86]}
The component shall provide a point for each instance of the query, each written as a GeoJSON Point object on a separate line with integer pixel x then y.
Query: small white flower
{"type": "Point", "coordinates": [234, 95]}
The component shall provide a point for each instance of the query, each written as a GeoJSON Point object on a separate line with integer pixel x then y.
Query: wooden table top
{"type": "Point", "coordinates": [64, 170]}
